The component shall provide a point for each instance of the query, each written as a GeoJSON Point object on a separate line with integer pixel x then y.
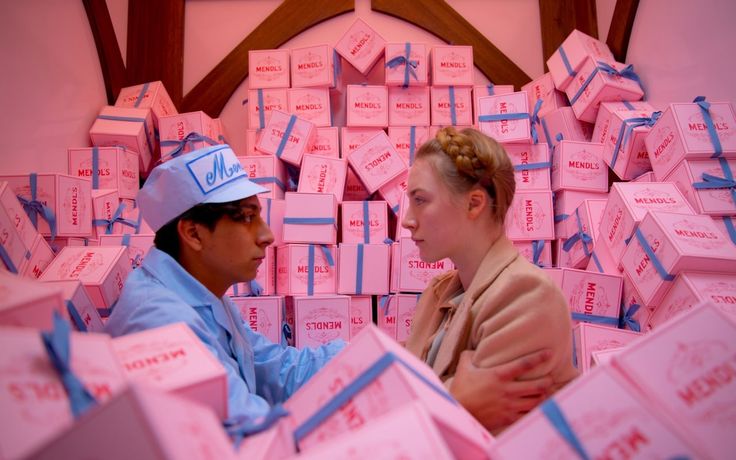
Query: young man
{"type": "Point", "coordinates": [210, 235]}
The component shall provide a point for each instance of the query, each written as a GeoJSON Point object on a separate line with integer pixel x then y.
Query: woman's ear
{"type": "Point", "coordinates": [189, 234]}
{"type": "Point", "coordinates": [477, 202]}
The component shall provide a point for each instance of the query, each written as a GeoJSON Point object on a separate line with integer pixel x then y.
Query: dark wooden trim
{"type": "Point", "coordinates": [156, 44]}
{"type": "Point", "coordinates": [621, 25]}
{"type": "Point", "coordinates": [586, 18]}
{"type": "Point", "coordinates": [108, 51]}
{"type": "Point", "coordinates": [560, 17]}
{"type": "Point", "coordinates": [291, 18]}
{"type": "Point", "coordinates": [439, 18]}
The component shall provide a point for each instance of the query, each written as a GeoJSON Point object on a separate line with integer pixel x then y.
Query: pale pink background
{"type": "Point", "coordinates": [52, 86]}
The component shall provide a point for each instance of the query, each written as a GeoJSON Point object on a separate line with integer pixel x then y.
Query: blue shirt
{"type": "Point", "coordinates": [259, 372]}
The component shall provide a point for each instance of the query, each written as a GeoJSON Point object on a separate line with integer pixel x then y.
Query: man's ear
{"type": "Point", "coordinates": [478, 201]}
{"type": "Point", "coordinates": [189, 234]}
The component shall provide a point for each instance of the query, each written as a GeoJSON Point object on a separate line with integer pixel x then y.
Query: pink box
{"type": "Point", "coordinates": [488, 90]}
{"type": "Point", "coordinates": [361, 313]}
{"type": "Point", "coordinates": [631, 159]}
{"type": "Point", "coordinates": [646, 177]}
{"type": "Point", "coordinates": [352, 138]}
{"type": "Point", "coordinates": [680, 369]}
{"type": "Point", "coordinates": [407, 140]}
{"type": "Point", "coordinates": [544, 88]}
{"type": "Point", "coordinates": [505, 129]}
{"type": "Point", "coordinates": [18, 233]}
{"type": "Point", "coordinates": [268, 68]}
{"type": "Point", "coordinates": [102, 270]}
{"type": "Point", "coordinates": [264, 284]}
{"type": "Point", "coordinates": [267, 171]}
{"type": "Point", "coordinates": [565, 202]}
{"type": "Point", "coordinates": [311, 104]}
{"type": "Point", "coordinates": [530, 216]}
{"type": "Point", "coordinates": [592, 297]}
{"type": "Point", "coordinates": [361, 46]}
{"type": "Point", "coordinates": [252, 136]}
{"type": "Point", "coordinates": [579, 166]}
{"type": "Point", "coordinates": [396, 73]}
{"type": "Point", "coordinates": [27, 303]}
{"type": "Point", "coordinates": [117, 168]}
{"type": "Point", "coordinates": [441, 99]}
{"type": "Point", "coordinates": [156, 425]}
{"type": "Point", "coordinates": [692, 288]}
{"type": "Point", "coordinates": [606, 109]}
{"type": "Point", "coordinates": [563, 124]}
{"type": "Point", "coordinates": [293, 270]}
{"type": "Point", "coordinates": [593, 337]}
{"type": "Point", "coordinates": [265, 101]}
{"type": "Point", "coordinates": [408, 106]}
{"type": "Point", "coordinates": [354, 188]}
{"type": "Point", "coordinates": [394, 191]}
{"type": "Point", "coordinates": [32, 397]}
{"type": "Point", "coordinates": [319, 319]}
{"type": "Point", "coordinates": [175, 132]}
{"type": "Point", "coordinates": [387, 314]}
{"type": "Point", "coordinates": [363, 268]}
{"type": "Point", "coordinates": [634, 318]}
{"type": "Point", "coordinates": [680, 242]}
{"type": "Point", "coordinates": [68, 197]}
{"type": "Point", "coordinates": [354, 216]}
{"type": "Point", "coordinates": [555, 274]}
{"type": "Point", "coordinates": [79, 311]}
{"type": "Point", "coordinates": [452, 66]}
{"type": "Point", "coordinates": [320, 174]}
{"type": "Point", "coordinates": [376, 162]}
{"type": "Point", "coordinates": [272, 212]}
{"type": "Point", "coordinates": [172, 358]}
{"type": "Point", "coordinates": [575, 49]}
{"type": "Point", "coordinates": [395, 315]}
{"type": "Point", "coordinates": [367, 106]}
{"type": "Point", "coordinates": [151, 95]}
{"type": "Point", "coordinates": [301, 211]}
{"type": "Point", "coordinates": [608, 418]}
{"type": "Point", "coordinates": [681, 133]}
{"type": "Point", "coordinates": [715, 201]}
{"type": "Point", "coordinates": [592, 85]}
{"type": "Point", "coordinates": [326, 142]}
{"type": "Point", "coordinates": [287, 136]}
{"type": "Point", "coordinates": [312, 66]}
{"type": "Point", "coordinates": [627, 205]}
{"type": "Point", "coordinates": [413, 273]}
{"type": "Point", "coordinates": [107, 210]}
{"type": "Point", "coordinates": [538, 252]}
{"type": "Point", "coordinates": [531, 165]}
{"type": "Point", "coordinates": [128, 127]}
{"type": "Point", "coordinates": [601, 260]}
{"type": "Point", "coordinates": [41, 257]}
{"type": "Point", "coordinates": [137, 244]}
{"type": "Point", "coordinates": [405, 379]}
{"type": "Point", "coordinates": [727, 225]}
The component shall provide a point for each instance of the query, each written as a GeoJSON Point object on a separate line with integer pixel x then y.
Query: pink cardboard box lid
{"type": "Point", "coordinates": [363, 268]}
{"type": "Point", "coordinates": [354, 216]}
{"type": "Point", "coordinates": [452, 66]}
{"type": "Point", "coordinates": [265, 101]}
{"type": "Point", "coordinates": [117, 168]}
{"type": "Point", "coordinates": [102, 270]}
{"type": "Point", "coordinates": [267, 171]}
{"type": "Point", "coordinates": [498, 117]}
{"type": "Point", "coordinates": [311, 104]}
{"type": "Point", "coordinates": [172, 358]}
{"type": "Point", "coordinates": [137, 244]}
{"type": "Point", "coordinates": [367, 106]}
{"type": "Point", "coordinates": [581, 231]}
{"type": "Point", "coordinates": [691, 174]}
{"type": "Point", "coordinates": [68, 197]}
{"type": "Point", "coordinates": [579, 166]}
{"type": "Point", "coordinates": [567, 59]}
{"type": "Point", "coordinates": [130, 127]}
{"type": "Point", "coordinates": [107, 218]}
{"type": "Point", "coordinates": [408, 106]}
{"type": "Point", "coordinates": [28, 303]}
{"type": "Point", "coordinates": [321, 174]}
{"type": "Point", "coordinates": [312, 66]}
{"type": "Point", "coordinates": [692, 288]}
{"type": "Point", "coordinates": [377, 162]}
{"type": "Point", "coordinates": [143, 422]}
{"type": "Point", "coordinates": [32, 397]}
{"type": "Point", "coordinates": [538, 252]}
{"type": "Point", "coordinates": [682, 132]}
{"type": "Point", "coordinates": [451, 106]}
{"type": "Point", "coordinates": [666, 243]}
{"type": "Point", "coordinates": [488, 90]}
{"type": "Point", "coordinates": [627, 205]}
{"type": "Point", "coordinates": [319, 319]}
{"type": "Point", "coordinates": [294, 270]}
{"type": "Point", "coordinates": [396, 314]}
{"type": "Point", "coordinates": [394, 190]}
{"type": "Point", "coordinates": [151, 95]}
{"type": "Point", "coordinates": [403, 70]}
{"type": "Point", "coordinates": [80, 311]}
{"type": "Point", "coordinates": [361, 46]}
{"type": "Point", "coordinates": [326, 142]}
{"type": "Point", "coordinates": [607, 418]}
{"type": "Point", "coordinates": [414, 273]}
{"type": "Point", "coordinates": [407, 140]}
{"type": "Point", "coordinates": [561, 123]}
{"type": "Point", "coordinates": [185, 132]}
{"type": "Point", "coordinates": [530, 216]}
{"type": "Point", "coordinates": [263, 314]}
{"type": "Point", "coordinates": [682, 368]}
{"type": "Point", "coordinates": [586, 218]}
{"type": "Point", "coordinates": [352, 138]}
{"type": "Point", "coordinates": [544, 88]}
{"type": "Point", "coordinates": [287, 136]}
{"type": "Point", "coordinates": [606, 109]}
{"type": "Point", "coordinates": [531, 165]}
{"type": "Point", "coordinates": [624, 148]}
{"type": "Point", "coordinates": [272, 212]}
{"type": "Point", "coordinates": [268, 68]}
{"type": "Point", "coordinates": [593, 337]}
{"type": "Point", "coordinates": [310, 218]}
{"type": "Point", "coordinates": [592, 297]}
{"type": "Point", "coordinates": [361, 313]}
{"type": "Point", "coordinates": [41, 257]}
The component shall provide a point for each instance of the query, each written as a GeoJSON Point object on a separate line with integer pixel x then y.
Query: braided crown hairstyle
{"type": "Point", "coordinates": [468, 158]}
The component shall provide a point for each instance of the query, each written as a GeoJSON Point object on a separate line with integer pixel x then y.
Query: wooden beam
{"type": "Point", "coordinates": [288, 20]}
{"type": "Point", "coordinates": [439, 18]}
{"type": "Point", "coordinates": [108, 50]}
{"type": "Point", "coordinates": [560, 17]}
{"type": "Point", "coordinates": [621, 25]}
{"type": "Point", "coordinates": [156, 44]}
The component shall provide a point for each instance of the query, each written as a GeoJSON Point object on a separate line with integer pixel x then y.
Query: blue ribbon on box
{"type": "Point", "coordinates": [531, 166]}
{"type": "Point", "coordinates": [355, 387]}
{"type": "Point", "coordinates": [652, 256]}
{"type": "Point", "coordinates": [628, 105]}
{"type": "Point", "coordinates": [126, 240]}
{"type": "Point", "coordinates": [7, 260]}
{"type": "Point", "coordinates": [384, 303]}
{"type": "Point", "coordinates": [310, 271]}
{"type": "Point", "coordinates": [574, 353]}
{"type": "Point", "coordinates": [580, 235]}
{"type": "Point", "coordinates": [628, 318]}
{"type": "Point", "coordinates": [627, 127]}
{"type": "Point", "coordinates": [598, 319]}
{"type": "Point", "coordinates": [261, 110]}
{"type": "Point", "coordinates": [268, 212]}
{"type": "Point", "coordinates": [269, 180]}
{"type": "Point", "coordinates": [730, 228]}
{"type": "Point", "coordinates": [714, 182]}
{"type": "Point", "coordinates": [453, 113]}
{"type": "Point", "coordinates": [336, 66]}
{"type": "Point", "coordinates": [239, 427]}
{"type": "Point", "coordinates": [412, 143]}
{"type": "Point", "coordinates": [597, 262]}
{"type": "Point", "coordinates": [188, 140]}
{"type": "Point", "coordinates": [561, 217]}
{"type": "Point", "coordinates": [74, 315]}
{"type": "Point", "coordinates": [139, 99]}
{"type": "Point", "coordinates": [56, 343]}
{"type": "Point", "coordinates": [255, 288]}
{"type": "Point", "coordinates": [366, 223]}
{"type": "Point", "coordinates": [627, 72]}
{"type": "Point", "coordinates": [287, 133]}
{"type": "Point", "coordinates": [537, 248]}
{"type": "Point", "coordinates": [34, 208]}
{"type": "Point", "coordinates": [359, 271]}
{"type": "Point", "coordinates": [309, 220]}
{"type": "Point", "coordinates": [555, 416]}
{"type": "Point", "coordinates": [95, 168]}
{"type": "Point", "coordinates": [535, 121]}
{"type": "Point", "coordinates": [116, 217]}
{"type": "Point", "coordinates": [131, 119]}
{"type": "Point", "coordinates": [504, 116]}
{"type": "Point", "coordinates": [408, 64]}
{"type": "Point", "coordinates": [490, 89]}
{"type": "Point", "coordinates": [566, 62]}
{"type": "Point", "coordinates": [546, 134]}
{"type": "Point", "coordinates": [708, 119]}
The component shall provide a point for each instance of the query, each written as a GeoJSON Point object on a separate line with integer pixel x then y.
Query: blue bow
{"type": "Point", "coordinates": [628, 318]}
{"type": "Point", "coordinates": [116, 217]}
{"type": "Point", "coordinates": [627, 127]}
{"type": "Point", "coordinates": [188, 140]}
{"type": "Point", "coordinates": [714, 182]}
{"type": "Point", "coordinates": [535, 120]}
{"type": "Point", "coordinates": [579, 236]}
{"type": "Point", "coordinates": [705, 111]}
{"type": "Point", "coordinates": [537, 248]}
{"type": "Point", "coordinates": [34, 208]}
{"type": "Point", "coordinates": [627, 72]}
{"type": "Point", "coordinates": [404, 60]}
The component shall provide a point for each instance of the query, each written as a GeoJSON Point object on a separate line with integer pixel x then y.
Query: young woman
{"type": "Point", "coordinates": [496, 330]}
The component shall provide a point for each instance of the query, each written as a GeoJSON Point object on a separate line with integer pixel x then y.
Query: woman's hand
{"type": "Point", "coordinates": [494, 395]}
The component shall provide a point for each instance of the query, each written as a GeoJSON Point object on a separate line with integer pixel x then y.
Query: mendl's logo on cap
{"type": "Point", "coordinates": [215, 169]}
